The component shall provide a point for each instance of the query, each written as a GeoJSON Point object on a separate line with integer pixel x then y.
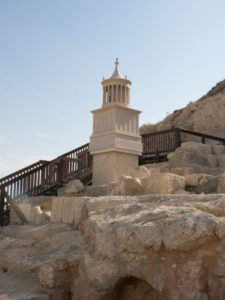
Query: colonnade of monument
{"type": "Point", "coordinates": [116, 93]}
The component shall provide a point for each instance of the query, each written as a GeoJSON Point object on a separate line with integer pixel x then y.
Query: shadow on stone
{"type": "Point", "coordinates": [132, 288]}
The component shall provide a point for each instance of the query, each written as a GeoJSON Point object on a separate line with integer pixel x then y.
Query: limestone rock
{"type": "Point", "coordinates": [181, 192]}
{"type": "Point", "coordinates": [64, 209]}
{"type": "Point", "coordinates": [47, 264]}
{"type": "Point", "coordinates": [76, 183]}
{"type": "Point", "coordinates": [67, 191]}
{"type": "Point", "coordinates": [31, 297]}
{"type": "Point", "coordinates": [34, 213]}
{"type": "Point", "coordinates": [221, 161]}
{"type": "Point", "coordinates": [138, 172]}
{"type": "Point", "coordinates": [112, 188]}
{"type": "Point", "coordinates": [72, 188]}
{"type": "Point", "coordinates": [38, 216]}
{"type": "Point", "coordinates": [162, 184]}
{"type": "Point", "coordinates": [182, 158]}
{"type": "Point", "coordinates": [218, 149]}
{"type": "Point", "coordinates": [182, 171]}
{"type": "Point", "coordinates": [127, 233]}
{"type": "Point", "coordinates": [221, 184]}
{"type": "Point", "coordinates": [130, 185]}
{"type": "Point", "coordinates": [201, 183]}
{"type": "Point", "coordinates": [164, 247]}
{"type": "Point", "coordinates": [159, 170]}
{"type": "Point", "coordinates": [198, 148]}
{"type": "Point", "coordinates": [45, 202]}
{"type": "Point", "coordinates": [206, 115]}
{"type": "Point", "coordinates": [96, 190]}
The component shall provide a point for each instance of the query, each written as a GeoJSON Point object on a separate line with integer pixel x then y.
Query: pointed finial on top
{"type": "Point", "coordinates": [116, 73]}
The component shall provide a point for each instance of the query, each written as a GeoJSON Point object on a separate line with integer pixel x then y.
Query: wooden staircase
{"type": "Point", "coordinates": [43, 177]}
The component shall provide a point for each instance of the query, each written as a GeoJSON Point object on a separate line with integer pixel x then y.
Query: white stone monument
{"type": "Point", "coordinates": [115, 143]}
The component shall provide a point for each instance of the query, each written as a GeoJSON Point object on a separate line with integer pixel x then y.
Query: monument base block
{"type": "Point", "coordinates": [109, 166]}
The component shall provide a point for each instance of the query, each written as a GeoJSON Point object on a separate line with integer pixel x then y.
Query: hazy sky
{"type": "Point", "coordinates": [54, 53]}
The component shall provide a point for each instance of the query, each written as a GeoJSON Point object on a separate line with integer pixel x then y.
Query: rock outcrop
{"type": "Point", "coordinates": [206, 115]}
{"type": "Point", "coordinates": [164, 247]}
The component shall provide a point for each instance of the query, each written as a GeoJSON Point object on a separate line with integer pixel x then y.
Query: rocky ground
{"type": "Point", "coordinates": [158, 233]}
{"type": "Point", "coordinates": [206, 115]}
{"type": "Point", "coordinates": [193, 167]}
{"type": "Point", "coordinates": [119, 247]}
{"type": "Point", "coordinates": [36, 261]}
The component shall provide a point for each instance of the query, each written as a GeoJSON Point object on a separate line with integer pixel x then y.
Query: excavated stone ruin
{"type": "Point", "coordinates": [158, 233]}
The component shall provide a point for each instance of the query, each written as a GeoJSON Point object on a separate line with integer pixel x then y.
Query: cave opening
{"type": "Point", "coordinates": [133, 288]}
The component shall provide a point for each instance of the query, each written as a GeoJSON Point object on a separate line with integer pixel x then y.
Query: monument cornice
{"type": "Point", "coordinates": [116, 81]}
{"type": "Point", "coordinates": [110, 106]}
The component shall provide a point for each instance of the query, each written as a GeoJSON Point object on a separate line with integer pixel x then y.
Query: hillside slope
{"type": "Point", "coordinates": [205, 115]}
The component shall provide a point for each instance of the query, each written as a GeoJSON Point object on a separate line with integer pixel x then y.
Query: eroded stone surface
{"type": "Point", "coordinates": [71, 188]}
{"type": "Point", "coordinates": [221, 184]}
{"type": "Point", "coordinates": [201, 183]}
{"type": "Point", "coordinates": [165, 183]}
{"type": "Point", "coordinates": [127, 247]}
{"type": "Point", "coordinates": [37, 257]}
{"type": "Point", "coordinates": [206, 115]}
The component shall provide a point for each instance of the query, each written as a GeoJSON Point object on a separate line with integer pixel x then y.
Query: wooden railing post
{"type": "Point", "coordinates": [4, 208]}
{"type": "Point", "coordinates": [177, 138]}
{"type": "Point", "coordinates": [60, 171]}
{"type": "Point", "coordinates": [157, 155]}
{"type": "Point", "coordinates": [89, 160]}
{"type": "Point", "coordinates": [2, 200]}
{"type": "Point", "coordinates": [41, 177]}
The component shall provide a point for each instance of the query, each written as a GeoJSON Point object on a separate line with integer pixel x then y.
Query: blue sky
{"type": "Point", "coordinates": [53, 55]}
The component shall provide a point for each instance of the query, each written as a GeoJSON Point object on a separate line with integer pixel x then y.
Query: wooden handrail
{"type": "Point", "coordinates": [43, 176]}
{"type": "Point", "coordinates": [81, 148]}
{"type": "Point", "coordinates": [200, 134]}
{"type": "Point", "coordinates": [24, 170]}
{"type": "Point", "coordinates": [159, 132]}
{"type": "Point", "coordinates": [161, 141]}
{"type": "Point", "coordinates": [166, 141]}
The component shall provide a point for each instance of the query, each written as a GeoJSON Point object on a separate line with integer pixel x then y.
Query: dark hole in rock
{"type": "Point", "coordinates": [132, 288]}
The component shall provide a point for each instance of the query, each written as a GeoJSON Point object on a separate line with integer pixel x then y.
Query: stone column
{"type": "Point", "coordinates": [128, 95]}
{"type": "Point", "coordinates": [121, 94]}
{"type": "Point", "coordinates": [112, 93]}
{"type": "Point", "coordinates": [117, 100]}
{"type": "Point", "coordinates": [104, 94]}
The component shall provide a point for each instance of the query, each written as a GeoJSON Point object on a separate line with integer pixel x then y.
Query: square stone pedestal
{"type": "Point", "coordinates": [109, 166]}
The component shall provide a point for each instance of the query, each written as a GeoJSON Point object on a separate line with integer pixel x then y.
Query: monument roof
{"type": "Point", "coordinates": [116, 73]}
